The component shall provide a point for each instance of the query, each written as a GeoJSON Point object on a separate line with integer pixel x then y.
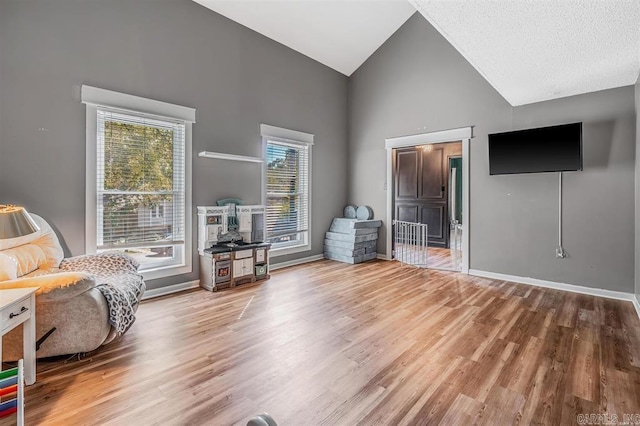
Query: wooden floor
{"type": "Point", "coordinates": [333, 344]}
{"type": "Point", "coordinates": [442, 258]}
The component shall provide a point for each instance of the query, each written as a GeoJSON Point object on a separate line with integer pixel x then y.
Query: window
{"type": "Point", "coordinates": [137, 181]}
{"type": "Point", "coordinates": [157, 212]}
{"type": "Point", "coordinates": [288, 183]}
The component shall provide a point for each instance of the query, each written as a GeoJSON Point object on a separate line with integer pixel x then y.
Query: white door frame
{"type": "Point", "coordinates": [463, 134]}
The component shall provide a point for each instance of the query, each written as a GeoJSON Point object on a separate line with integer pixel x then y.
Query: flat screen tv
{"type": "Point", "coordinates": [546, 149]}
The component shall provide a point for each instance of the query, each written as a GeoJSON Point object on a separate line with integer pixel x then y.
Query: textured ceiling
{"type": "Point", "coordinates": [341, 34]}
{"type": "Point", "coordinates": [531, 51]}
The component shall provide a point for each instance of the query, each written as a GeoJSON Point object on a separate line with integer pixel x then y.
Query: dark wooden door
{"type": "Point", "coordinates": [421, 190]}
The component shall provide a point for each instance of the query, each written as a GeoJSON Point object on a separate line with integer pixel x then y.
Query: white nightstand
{"type": "Point", "coordinates": [18, 306]}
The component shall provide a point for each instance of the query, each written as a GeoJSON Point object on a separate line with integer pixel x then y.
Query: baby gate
{"type": "Point", "coordinates": [410, 243]}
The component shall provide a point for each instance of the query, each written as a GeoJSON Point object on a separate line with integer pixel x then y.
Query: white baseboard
{"type": "Point", "coordinates": [280, 265]}
{"type": "Point", "coordinates": [636, 304]}
{"type": "Point", "coordinates": [163, 291]}
{"type": "Point", "coordinates": [609, 294]}
{"type": "Point", "coordinates": [382, 257]}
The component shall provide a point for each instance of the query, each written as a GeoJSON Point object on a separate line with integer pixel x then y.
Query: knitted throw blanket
{"type": "Point", "coordinates": [117, 279]}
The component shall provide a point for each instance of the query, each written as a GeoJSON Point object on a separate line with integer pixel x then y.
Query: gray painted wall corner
{"type": "Point", "coordinates": [417, 82]}
{"type": "Point", "coordinates": [234, 77]}
{"type": "Point", "coordinates": [2, 191]}
{"type": "Point", "coordinates": [237, 79]}
{"type": "Point", "coordinates": [598, 202]}
{"type": "Point", "coordinates": [412, 84]}
{"type": "Point", "coordinates": [637, 189]}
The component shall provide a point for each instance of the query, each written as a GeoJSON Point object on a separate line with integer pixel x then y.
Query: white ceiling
{"type": "Point", "coordinates": [341, 34]}
{"type": "Point", "coordinates": [528, 50]}
{"type": "Point", "coordinates": [531, 51]}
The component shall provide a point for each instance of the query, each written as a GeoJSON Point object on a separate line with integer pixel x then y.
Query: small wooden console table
{"type": "Point", "coordinates": [18, 306]}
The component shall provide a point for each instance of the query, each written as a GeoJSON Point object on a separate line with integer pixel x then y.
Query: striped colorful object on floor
{"type": "Point", "coordinates": [12, 381]}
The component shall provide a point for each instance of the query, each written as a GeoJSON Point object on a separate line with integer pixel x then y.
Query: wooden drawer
{"type": "Point", "coordinates": [15, 314]}
{"type": "Point", "coordinates": [243, 254]}
{"type": "Point", "coordinates": [260, 257]}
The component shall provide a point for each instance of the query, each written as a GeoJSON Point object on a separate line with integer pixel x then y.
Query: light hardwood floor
{"type": "Point", "coordinates": [334, 344]}
{"type": "Point", "coordinates": [442, 258]}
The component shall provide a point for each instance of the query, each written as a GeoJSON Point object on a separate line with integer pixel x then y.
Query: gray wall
{"type": "Point", "coordinates": [2, 192]}
{"type": "Point", "coordinates": [179, 52]}
{"type": "Point", "coordinates": [171, 50]}
{"type": "Point", "coordinates": [637, 221]}
{"type": "Point", "coordinates": [417, 82]}
{"type": "Point", "coordinates": [598, 202]}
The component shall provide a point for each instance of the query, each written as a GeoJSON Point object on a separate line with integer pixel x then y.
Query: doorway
{"type": "Point", "coordinates": [455, 212]}
{"type": "Point", "coordinates": [441, 192]}
{"type": "Point", "coordinates": [426, 189]}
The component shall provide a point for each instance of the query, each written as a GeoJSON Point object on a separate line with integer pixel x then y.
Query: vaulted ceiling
{"type": "Point", "coordinates": [529, 51]}
{"type": "Point", "coordinates": [532, 51]}
{"type": "Point", "coordinates": [341, 34]}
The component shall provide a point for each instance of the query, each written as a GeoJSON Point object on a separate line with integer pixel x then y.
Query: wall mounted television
{"type": "Point", "coordinates": [545, 149]}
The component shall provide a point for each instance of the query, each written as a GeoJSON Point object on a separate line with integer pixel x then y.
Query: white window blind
{"type": "Point", "coordinates": [140, 185]}
{"type": "Point", "coordinates": [287, 192]}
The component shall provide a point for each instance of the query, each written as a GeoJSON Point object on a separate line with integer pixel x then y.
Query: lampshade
{"type": "Point", "coordinates": [15, 222]}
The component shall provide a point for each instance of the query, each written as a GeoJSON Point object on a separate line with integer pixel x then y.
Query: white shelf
{"type": "Point", "coordinates": [232, 157]}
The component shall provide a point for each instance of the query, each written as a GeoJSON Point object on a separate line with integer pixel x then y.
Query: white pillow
{"type": "Point", "coordinates": [8, 268]}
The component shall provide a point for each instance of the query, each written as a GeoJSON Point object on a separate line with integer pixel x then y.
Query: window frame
{"type": "Point", "coordinates": [94, 99]}
{"type": "Point", "coordinates": [293, 137]}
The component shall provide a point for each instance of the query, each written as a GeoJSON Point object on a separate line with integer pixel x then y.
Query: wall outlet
{"type": "Point", "coordinates": [560, 253]}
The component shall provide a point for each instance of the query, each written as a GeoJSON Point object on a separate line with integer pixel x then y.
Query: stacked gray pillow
{"type": "Point", "coordinates": [352, 240]}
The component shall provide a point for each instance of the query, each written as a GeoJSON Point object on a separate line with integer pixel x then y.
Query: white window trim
{"type": "Point", "coordinates": [93, 98]}
{"type": "Point", "coordinates": [282, 134]}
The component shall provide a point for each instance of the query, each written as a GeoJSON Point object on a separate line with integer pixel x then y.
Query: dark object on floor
{"type": "Point", "coordinates": [43, 338]}
{"type": "Point", "coordinates": [262, 419]}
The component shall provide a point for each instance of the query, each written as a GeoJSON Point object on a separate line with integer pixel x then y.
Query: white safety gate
{"type": "Point", "coordinates": [410, 243]}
